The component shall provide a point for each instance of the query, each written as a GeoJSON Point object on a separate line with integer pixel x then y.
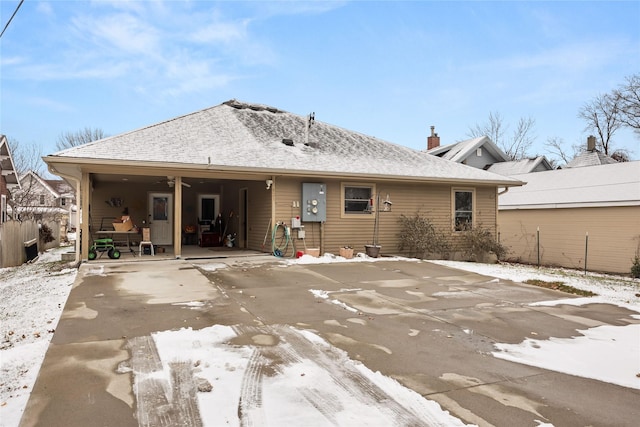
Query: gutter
{"type": "Point", "coordinates": [76, 263]}
{"type": "Point", "coordinates": [197, 170]}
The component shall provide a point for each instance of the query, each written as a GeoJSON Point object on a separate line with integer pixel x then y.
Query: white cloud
{"type": "Point", "coordinates": [44, 7]}
{"type": "Point", "coordinates": [121, 31]}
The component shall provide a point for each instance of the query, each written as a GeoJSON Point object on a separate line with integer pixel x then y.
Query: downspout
{"type": "Point", "coordinates": [273, 208]}
{"type": "Point", "coordinates": [76, 262]}
{"type": "Point", "coordinates": [500, 193]}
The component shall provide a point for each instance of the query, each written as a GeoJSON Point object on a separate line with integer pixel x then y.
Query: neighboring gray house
{"type": "Point", "coordinates": [482, 153]}
{"type": "Point", "coordinates": [478, 152]}
{"type": "Point", "coordinates": [256, 167]}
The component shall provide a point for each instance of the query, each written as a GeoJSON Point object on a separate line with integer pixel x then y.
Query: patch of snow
{"type": "Point", "coordinates": [605, 353]}
{"type": "Point", "coordinates": [325, 295]}
{"type": "Point", "coordinates": [212, 266]}
{"type": "Point", "coordinates": [194, 304]}
{"type": "Point", "coordinates": [610, 288]}
{"type": "Point", "coordinates": [303, 391]}
{"type": "Point", "coordinates": [329, 258]}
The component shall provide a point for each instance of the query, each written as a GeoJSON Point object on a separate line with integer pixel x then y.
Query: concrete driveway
{"type": "Point", "coordinates": [430, 327]}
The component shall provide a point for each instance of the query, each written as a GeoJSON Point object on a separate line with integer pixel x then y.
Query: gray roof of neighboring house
{"type": "Point", "coordinates": [590, 158]}
{"type": "Point", "coordinates": [241, 136]}
{"type": "Point", "coordinates": [461, 150]}
{"type": "Point", "coordinates": [517, 167]}
{"type": "Point", "coordinates": [605, 185]}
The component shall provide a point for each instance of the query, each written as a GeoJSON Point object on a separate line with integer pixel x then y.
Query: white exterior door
{"type": "Point", "coordinates": [161, 218]}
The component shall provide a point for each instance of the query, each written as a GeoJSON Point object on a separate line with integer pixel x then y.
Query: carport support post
{"type": "Point", "coordinates": [85, 226]}
{"type": "Point", "coordinates": [586, 248]}
{"type": "Point", "coordinates": [538, 244]}
{"type": "Point", "coordinates": [177, 217]}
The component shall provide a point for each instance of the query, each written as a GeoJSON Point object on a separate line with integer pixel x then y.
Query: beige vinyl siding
{"type": "Point", "coordinates": [133, 197]}
{"type": "Point", "coordinates": [430, 200]}
{"type": "Point", "coordinates": [614, 236]}
{"type": "Point", "coordinates": [258, 216]}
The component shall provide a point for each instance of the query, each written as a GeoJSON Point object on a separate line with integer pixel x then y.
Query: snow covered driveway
{"type": "Point", "coordinates": [385, 343]}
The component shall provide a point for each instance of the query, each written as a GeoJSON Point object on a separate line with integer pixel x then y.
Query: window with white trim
{"type": "Point", "coordinates": [42, 199]}
{"type": "Point", "coordinates": [463, 209]}
{"type": "Point", "coordinates": [356, 199]}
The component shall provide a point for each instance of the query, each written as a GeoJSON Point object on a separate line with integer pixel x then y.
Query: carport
{"type": "Point", "coordinates": [187, 215]}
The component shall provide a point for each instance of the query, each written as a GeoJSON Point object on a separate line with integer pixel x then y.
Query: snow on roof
{"type": "Point", "coordinates": [250, 136]}
{"type": "Point", "coordinates": [517, 167]}
{"type": "Point", "coordinates": [606, 185]}
{"type": "Point", "coordinates": [461, 150]}
{"type": "Point", "coordinates": [590, 158]}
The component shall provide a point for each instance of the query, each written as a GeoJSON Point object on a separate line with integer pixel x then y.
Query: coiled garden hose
{"type": "Point", "coordinates": [280, 247]}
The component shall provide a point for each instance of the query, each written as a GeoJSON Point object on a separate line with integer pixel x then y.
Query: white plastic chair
{"type": "Point", "coordinates": [146, 241]}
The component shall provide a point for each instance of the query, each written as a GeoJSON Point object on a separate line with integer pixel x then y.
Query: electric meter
{"type": "Point", "coordinates": [314, 197]}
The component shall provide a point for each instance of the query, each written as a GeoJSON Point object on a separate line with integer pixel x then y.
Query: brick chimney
{"type": "Point", "coordinates": [591, 143]}
{"type": "Point", "coordinates": [433, 141]}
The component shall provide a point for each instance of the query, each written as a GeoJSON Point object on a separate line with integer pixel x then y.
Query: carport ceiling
{"type": "Point", "coordinates": [151, 180]}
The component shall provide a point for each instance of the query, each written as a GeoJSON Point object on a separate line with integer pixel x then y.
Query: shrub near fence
{"type": "Point", "coordinates": [13, 234]}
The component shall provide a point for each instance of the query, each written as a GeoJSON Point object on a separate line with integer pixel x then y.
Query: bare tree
{"type": "Point", "coordinates": [83, 136]}
{"type": "Point", "coordinates": [602, 115]}
{"type": "Point", "coordinates": [556, 147]}
{"type": "Point", "coordinates": [515, 146]}
{"type": "Point", "coordinates": [628, 99]}
{"type": "Point", "coordinates": [26, 157]}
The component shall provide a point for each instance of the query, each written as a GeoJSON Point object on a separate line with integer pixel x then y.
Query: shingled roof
{"type": "Point", "coordinates": [253, 137]}
{"type": "Point", "coordinates": [590, 158]}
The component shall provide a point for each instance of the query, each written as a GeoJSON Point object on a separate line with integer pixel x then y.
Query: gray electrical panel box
{"type": "Point", "coordinates": [314, 202]}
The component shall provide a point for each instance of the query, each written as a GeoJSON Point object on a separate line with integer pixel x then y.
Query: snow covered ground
{"type": "Point", "coordinates": [33, 297]}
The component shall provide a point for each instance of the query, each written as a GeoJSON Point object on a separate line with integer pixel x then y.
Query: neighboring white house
{"type": "Point", "coordinates": [583, 212]}
{"type": "Point", "coordinates": [40, 199]}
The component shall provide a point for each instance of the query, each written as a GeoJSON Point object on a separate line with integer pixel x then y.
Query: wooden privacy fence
{"type": "Point", "coordinates": [14, 234]}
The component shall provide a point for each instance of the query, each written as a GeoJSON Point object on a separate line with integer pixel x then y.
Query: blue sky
{"type": "Point", "coordinates": [390, 69]}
